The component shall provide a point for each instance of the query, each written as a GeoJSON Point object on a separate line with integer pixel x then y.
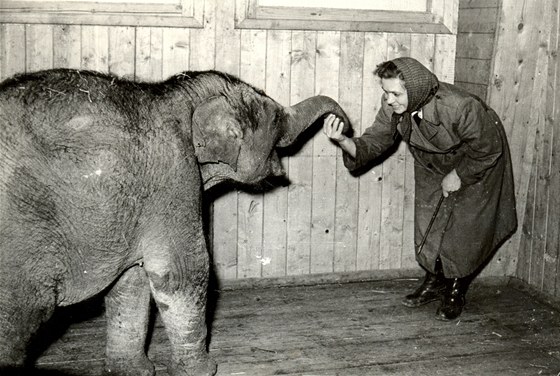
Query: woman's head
{"type": "Point", "coordinates": [388, 69]}
{"type": "Point", "coordinates": [393, 85]}
{"type": "Point", "coordinates": [408, 74]}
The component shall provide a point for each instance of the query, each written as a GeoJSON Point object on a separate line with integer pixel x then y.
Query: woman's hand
{"type": "Point", "coordinates": [333, 127]}
{"type": "Point", "coordinates": [450, 183]}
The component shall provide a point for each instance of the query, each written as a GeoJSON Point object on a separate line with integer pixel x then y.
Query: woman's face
{"type": "Point", "coordinates": [395, 94]}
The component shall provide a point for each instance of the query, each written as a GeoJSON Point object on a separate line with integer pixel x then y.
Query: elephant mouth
{"type": "Point", "coordinates": [214, 173]}
{"type": "Point", "coordinates": [213, 180]}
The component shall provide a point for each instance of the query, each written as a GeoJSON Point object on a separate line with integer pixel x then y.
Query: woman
{"type": "Point", "coordinates": [461, 154]}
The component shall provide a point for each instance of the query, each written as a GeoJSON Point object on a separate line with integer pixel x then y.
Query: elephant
{"type": "Point", "coordinates": [101, 187]}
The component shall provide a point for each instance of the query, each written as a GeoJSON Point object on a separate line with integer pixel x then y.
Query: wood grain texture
{"type": "Point", "coordinates": [478, 22]}
{"type": "Point", "coordinates": [95, 48]}
{"type": "Point", "coordinates": [12, 37]}
{"type": "Point", "coordinates": [38, 47]}
{"type": "Point", "coordinates": [342, 329]}
{"type": "Point", "coordinates": [122, 44]}
{"type": "Point", "coordinates": [524, 93]}
{"type": "Point", "coordinates": [552, 267]}
{"type": "Point", "coordinates": [66, 52]}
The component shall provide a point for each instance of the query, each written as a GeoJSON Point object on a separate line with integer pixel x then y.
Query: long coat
{"type": "Point", "coordinates": [457, 131]}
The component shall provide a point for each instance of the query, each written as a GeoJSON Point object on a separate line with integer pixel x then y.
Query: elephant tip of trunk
{"type": "Point", "coordinates": [303, 114]}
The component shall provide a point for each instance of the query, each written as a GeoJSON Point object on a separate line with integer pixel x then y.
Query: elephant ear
{"type": "Point", "coordinates": [217, 135]}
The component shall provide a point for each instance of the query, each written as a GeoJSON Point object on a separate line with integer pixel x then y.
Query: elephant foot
{"type": "Point", "coordinates": [204, 367]}
{"type": "Point", "coordinates": [139, 366]}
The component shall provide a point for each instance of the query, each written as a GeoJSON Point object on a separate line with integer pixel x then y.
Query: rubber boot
{"type": "Point", "coordinates": [453, 299]}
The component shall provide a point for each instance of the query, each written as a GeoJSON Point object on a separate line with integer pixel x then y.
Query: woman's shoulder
{"type": "Point", "coordinates": [453, 97]}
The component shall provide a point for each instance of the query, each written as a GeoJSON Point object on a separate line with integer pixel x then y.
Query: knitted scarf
{"type": "Point", "coordinates": [421, 86]}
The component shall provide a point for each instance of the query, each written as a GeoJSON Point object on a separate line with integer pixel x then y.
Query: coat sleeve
{"type": "Point", "coordinates": [375, 140]}
{"type": "Point", "coordinates": [484, 145]}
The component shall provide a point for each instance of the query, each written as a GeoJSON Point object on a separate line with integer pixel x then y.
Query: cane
{"type": "Point", "coordinates": [421, 246]}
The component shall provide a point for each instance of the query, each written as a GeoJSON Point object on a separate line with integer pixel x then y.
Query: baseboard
{"type": "Point", "coordinates": [320, 278]}
{"type": "Point", "coordinates": [375, 275]}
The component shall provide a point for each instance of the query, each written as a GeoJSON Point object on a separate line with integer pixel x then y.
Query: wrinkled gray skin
{"type": "Point", "coordinates": [100, 192]}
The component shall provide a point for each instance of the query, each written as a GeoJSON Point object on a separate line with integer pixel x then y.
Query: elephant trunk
{"type": "Point", "coordinates": [303, 114]}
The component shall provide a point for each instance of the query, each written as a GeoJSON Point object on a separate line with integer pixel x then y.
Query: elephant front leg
{"type": "Point", "coordinates": [179, 286]}
{"type": "Point", "coordinates": [127, 311]}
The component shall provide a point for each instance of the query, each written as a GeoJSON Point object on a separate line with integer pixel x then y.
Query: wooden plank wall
{"type": "Point", "coordinates": [525, 92]}
{"type": "Point", "coordinates": [326, 220]}
{"type": "Point", "coordinates": [475, 44]}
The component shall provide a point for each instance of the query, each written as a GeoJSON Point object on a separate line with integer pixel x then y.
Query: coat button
{"type": "Point", "coordinates": [430, 166]}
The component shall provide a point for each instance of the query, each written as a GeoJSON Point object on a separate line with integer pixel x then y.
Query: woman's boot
{"type": "Point", "coordinates": [453, 299]}
{"type": "Point", "coordinates": [433, 288]}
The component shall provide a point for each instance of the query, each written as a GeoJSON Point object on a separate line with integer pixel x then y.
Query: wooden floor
{"type": "Point", "coordinates": [342, 329]}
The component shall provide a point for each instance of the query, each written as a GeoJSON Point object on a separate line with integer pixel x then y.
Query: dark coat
{"type": "Point", "coordinates": [458, 131]}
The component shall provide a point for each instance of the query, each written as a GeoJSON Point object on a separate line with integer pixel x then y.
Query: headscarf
{"type": "Point", "coordinates": [421, 86]}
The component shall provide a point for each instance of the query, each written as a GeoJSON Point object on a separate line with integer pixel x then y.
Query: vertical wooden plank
{"type": "Point", "coordinates": [278, 58]}
{"type": "Point", "coordinates": [526, 237]}
{"type": "Point", "coordinates": [517, 36]}
{"type": "Point", "coordinates": [524, 131]}
{"type": "Point", "coordinates": [521, 43]}
{"type": "Point", "coordinates": [176, 51]}
{"type": "Point", "coordinates": [227, 59]}
{"type": "Point", "coordinates": [370, 183]}
{"type": "Point", "coordinates": [203, 41]}
{"type": "Point", "coordinates": [39, 47]}
{"type": "Point", "coordinates": [444, 64]}
{"type": "Point", "coordinates": [540, 118]}
{"type": "Point", "coordinates": [95, 48]}
{"type": "Point", "coordinates": [423, 49]}
{"type": "Point", "coordinates": [300, 167]}
{"type": "Point", "coordinates": [393, 182]}
{"type": "Point", "coordinates": [351, 75]}
{"type": "Point", "coordinates": [324, 159]}
{"type": "Point", "coordinates": [504, 86]}
{"type": "Point", "coordinates": [122, 54]}
{"type": "Point", "coordinates": [149, 54]}
{"type": "Point", "coordinates": [552, 280]}
{"type": "Point", "coordinates": [250, 205]}
{"type": "Point", "coordinates": [67, 46]}
{"type": "Point", "coordinates": [228, 39]}
{"type": "Point", "coordinates": [12, 54]}
{"type": "Point", "coordinates": [503, 94]}
{"type": "Point", "coordinates": [3, 43]}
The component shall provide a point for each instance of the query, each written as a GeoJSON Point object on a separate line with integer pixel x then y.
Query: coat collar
{"type": "Point", "coordinates": [429, 112]}
{"type": "Point", "coordinates": [429, 126]}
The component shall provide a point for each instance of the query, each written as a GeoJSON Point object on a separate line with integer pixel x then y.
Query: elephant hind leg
{"type": "Point", "coordinates": [181, 299]}
{"type": "Point", "coordinates": [127, 310]}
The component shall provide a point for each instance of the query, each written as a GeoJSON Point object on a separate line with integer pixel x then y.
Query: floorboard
{"type": "Point", "coordinates": [338, 329]}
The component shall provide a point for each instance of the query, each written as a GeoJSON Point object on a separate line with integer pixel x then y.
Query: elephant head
{"type": "Point", "coordinates": [236, 131]}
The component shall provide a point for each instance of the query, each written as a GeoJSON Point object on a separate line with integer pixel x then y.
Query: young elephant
{"type": "Point", "coordinates": [100, 190]}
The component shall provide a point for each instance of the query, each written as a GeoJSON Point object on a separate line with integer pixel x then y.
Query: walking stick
{"type": "Point", "coordinates": [421, 247]}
